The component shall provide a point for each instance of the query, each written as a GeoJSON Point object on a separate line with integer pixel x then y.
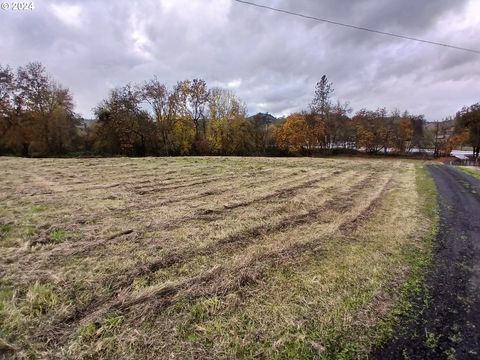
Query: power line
{"type": "Point", "coordinates": [357, 27]}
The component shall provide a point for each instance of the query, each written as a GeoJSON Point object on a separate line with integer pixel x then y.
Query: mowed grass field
{"type": "Point", "coordinates": [207, 257]}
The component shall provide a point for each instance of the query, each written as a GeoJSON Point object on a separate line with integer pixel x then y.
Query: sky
{"type": "Point", "coordinates": [271, 60]}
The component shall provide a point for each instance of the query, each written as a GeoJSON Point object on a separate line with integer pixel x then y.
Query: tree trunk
{"type": "Point", "coordinates": [25, 149]}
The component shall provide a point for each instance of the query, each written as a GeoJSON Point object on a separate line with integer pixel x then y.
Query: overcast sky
{"type": "Point", "coordinates": [271, 60]}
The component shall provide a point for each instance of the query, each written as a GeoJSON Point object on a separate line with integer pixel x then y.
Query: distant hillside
{"type": "Point", "coordinates": [264, 118]}
{"type": "Point", "coordinates": [445, 125]}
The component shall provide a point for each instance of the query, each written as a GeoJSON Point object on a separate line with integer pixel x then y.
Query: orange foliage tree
{"type": "Point", "coordinates": [296, 135]}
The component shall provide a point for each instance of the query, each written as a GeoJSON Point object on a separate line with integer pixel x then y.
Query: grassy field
{"type": "Point", "coordinates": [207, 257]}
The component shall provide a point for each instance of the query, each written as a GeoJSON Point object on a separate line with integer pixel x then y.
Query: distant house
{"type": "Point", "coordinates": [462, 155]}
{"type": "Point", "coordinates": [464, 158]}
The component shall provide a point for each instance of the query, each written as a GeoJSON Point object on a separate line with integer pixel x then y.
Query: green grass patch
{"type": "Point", "coordinates": [414, 296]}
{"type": "Point", "coordinates": [6, 239]}
{"type": "Point", "coordinates": [5, 229]}
{"type": "Point", "coordinates": [22, 308]}
{"type": "Point", "coordinates": [104, 333]}
{"type": "Point", "coordinates": [10, 317]}
{"type": "Point", "coordinates": [39, 299]}
{"type": "Point", "coordinates": [88, 331]}
{"type": "Point", "coordinates": [29, 231]}
{"type": "Point", "coordinates": [475, 173]}
{"type": "Point", "coordinates": [58, 236]}
{"type": "Point", "coordinates": [39, 208]}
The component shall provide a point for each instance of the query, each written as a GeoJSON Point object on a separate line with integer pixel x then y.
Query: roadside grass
{"type": "Point", "coordinates": [413, 294]}
{"type": "Point", "coordinates": [353, 279]}
{"type": "Point", "coordinates": [474, 172]}
{"type": "Point", "coordinates": [211, 257]}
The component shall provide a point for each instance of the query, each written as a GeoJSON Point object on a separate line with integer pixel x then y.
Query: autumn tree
{"type": "Point", "coordinates": [33, 101]}
{"type": "Point", "coordinates": [317, 131]}
{"type": "Point", "coordinates": [387, 128]}
{"type": "Point", "coordinates": [123, 126]}
{"type": "Point", "coordinates": [184, 136]}
{"type": "Point", "coordinates": [338, 126]}
{"type": "Point", "coordinates": [62, 121]}
{"type": "Point", "coordinates": [242, 140]}
{"type": "Point", "coordinates": [403, 134]}
{"type": "Point", "coordinates": [228, 131]}
{"type": "Point", "coordinates": [262, 132]}
{"type": "Point", "coordinates": [455, 141]}
{"type": "Point", "coordinates": [371, 130]}
{"type": "Point", "coordinates": [469, 119]}
{"type": "Point", "coordinates": [296, 135]}
{"type": "Point", "coordinates": [163, 108]}
{"type": "Point", "coordinates": [192, 101]}
{"type": "Point", "coordinates": [37, 118]}
{"type": "Point", "coordinates": [7, 107]}
{"type": "Point", "coordinates": [418, 135]}
{"type": "Point", "coordinates": [437, 134]}
{"type": "Point", "coordinates": [37, 113]}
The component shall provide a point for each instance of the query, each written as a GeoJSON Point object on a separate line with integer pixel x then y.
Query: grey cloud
{"type": "Point", "coordinates": [275, 58]}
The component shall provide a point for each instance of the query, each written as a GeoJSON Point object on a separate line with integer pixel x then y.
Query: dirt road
{"type": "Point", "coordinates": [449, 325]}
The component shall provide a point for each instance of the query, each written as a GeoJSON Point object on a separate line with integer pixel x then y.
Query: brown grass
{"type": "Point", "coordinates": [201, 257]}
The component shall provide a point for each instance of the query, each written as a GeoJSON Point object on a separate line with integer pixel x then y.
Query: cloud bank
{"type": "Point", "coordinates": [271, 60]}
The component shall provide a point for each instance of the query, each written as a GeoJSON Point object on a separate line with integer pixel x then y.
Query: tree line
{"type": "Point", "coordinates": [37, 118]}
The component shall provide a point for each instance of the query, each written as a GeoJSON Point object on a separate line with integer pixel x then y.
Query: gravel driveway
{"type": "Point", "coordinates": [449, 325]}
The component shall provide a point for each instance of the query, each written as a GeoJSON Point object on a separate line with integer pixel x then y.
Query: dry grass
{"type": "Point", "coordinates": [202, 257]}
